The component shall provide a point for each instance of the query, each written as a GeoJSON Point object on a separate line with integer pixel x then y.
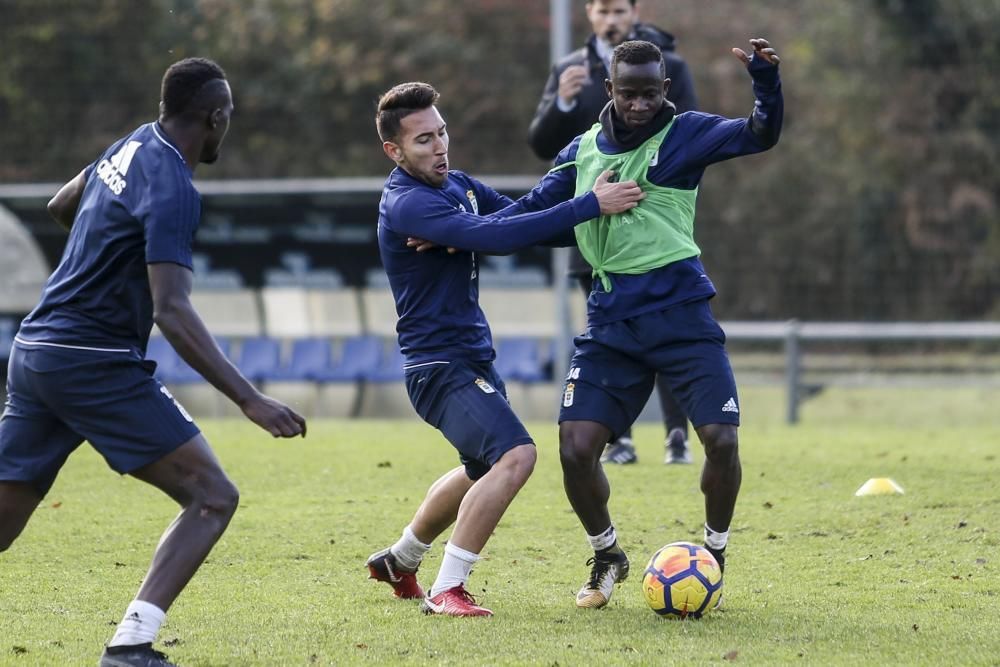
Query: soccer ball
{"type": "Point", "coordinates": [682, 580]}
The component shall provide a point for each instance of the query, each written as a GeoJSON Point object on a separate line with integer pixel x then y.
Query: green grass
{"type": "Point", "coordinates": [816, 575]}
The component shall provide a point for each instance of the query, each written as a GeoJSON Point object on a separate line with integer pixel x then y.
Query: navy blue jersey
{"type": "Point", "coordinates": [139, 207]}
{"type": "Point", "coordinates": [437, 293]}
{"type": "Point", "coordinates": [694, 142]}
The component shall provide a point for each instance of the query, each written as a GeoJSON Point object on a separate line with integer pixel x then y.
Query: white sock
{"type": "Point", "coordinates": [409, 551]}
{"type": "Point", "coordinates": [605, 540]}
{"type": "Point", "coordinates": [715, 539]}
{"type": "Point", "coordinates": [140, 626]}
{"type": "Point", "coordinates": [455, 568]}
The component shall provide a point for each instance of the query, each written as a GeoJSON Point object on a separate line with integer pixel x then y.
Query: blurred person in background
{"type": "Point", "coordinates": [77, 366]}
{"type": "Point", "coordinates": [446, 340]}
{"type": "Point", "coordinates": [573, 98]}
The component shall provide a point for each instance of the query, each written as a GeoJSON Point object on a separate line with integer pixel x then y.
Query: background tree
{"type": "Point", "coordinates": [880, 201]}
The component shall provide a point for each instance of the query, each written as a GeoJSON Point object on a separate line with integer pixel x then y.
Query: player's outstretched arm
{"type": "Point", "coordinates": [170, 285]}
{"type": "Point", "coordinates": [62, 207]}
{"type": "Point", "coordinates": [612, 197]}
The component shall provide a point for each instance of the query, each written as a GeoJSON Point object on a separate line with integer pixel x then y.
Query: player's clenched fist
{"type": "Point", "coordinates": [275, 417]}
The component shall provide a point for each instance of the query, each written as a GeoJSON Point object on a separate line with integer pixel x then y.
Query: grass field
{"type": "Point", "coordinates": [815, 575]}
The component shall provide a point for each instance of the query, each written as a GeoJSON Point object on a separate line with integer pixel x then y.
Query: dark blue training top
{"type": "Point", "coordinates": [695, 141]}
{"type": "Point", "coordinates": [437, 293]}
{"type": "Point", "coordinates": [139, 207]}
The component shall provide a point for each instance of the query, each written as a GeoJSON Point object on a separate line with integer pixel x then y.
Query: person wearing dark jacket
{"type": "Point", "coordinates": [574, 96]}
{"type": "Point", "coordinates": [574, 93]}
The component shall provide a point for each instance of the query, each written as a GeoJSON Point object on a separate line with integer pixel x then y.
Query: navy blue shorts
{"type": "Point", "coordinates": [59, 397]}
{"type": "Point", "coordinates": [467, 402]}
{"type": "Point", "coordinates": [615, 365]}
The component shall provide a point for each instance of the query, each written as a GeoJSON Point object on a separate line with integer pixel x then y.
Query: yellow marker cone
{"type": "Point", "coordinates": [879, 486]}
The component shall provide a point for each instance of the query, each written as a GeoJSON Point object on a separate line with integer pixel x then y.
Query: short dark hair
{"type": "Point", "coordinates": [399, 102]}
{"type": "Point", "coordinates": [183, 81]}
{"type": "Point", "coordinates": [637, 52]}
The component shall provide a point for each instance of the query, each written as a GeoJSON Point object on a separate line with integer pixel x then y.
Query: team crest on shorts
{"type": "Point", "coordinates": [568, 394]}
{"type": "Point", "coordinates": [485, 386]}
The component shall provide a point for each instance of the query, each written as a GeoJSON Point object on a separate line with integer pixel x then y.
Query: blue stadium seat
{"type": "Point", "coordinates": [310, 360]}
{"type": "Point", "coordinates": [160, 351]}
{"type": "Point", "coordinates": [359, 357]}
{"type": "Point", "coordinates": [521, 360]}
{"type": "Point", "coordinates": [260, 358]}
{"type": "Point", "coordinates": [170, 368]}
{"type": "Point", "coordinates": [184, 374]}
{"type": "Point", "coordinates": [7, 328]}
{"type": "Point", "coordinates": [391, 367]}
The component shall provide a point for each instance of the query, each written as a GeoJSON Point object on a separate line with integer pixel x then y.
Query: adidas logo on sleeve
{"type": "Point", "coordinates": [731, 406]}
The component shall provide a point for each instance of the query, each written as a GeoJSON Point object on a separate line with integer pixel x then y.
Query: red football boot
{"type": "Point", "coordinates": [382, 566]}
{"type": "Point", "coordinates": [454, 602]}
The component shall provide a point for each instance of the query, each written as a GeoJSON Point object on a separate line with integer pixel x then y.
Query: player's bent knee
{"type": "Point", "coordinates": [572, 456]}
{"type": "Point", "coordinates": [721, 443]}
{"type": "Point", "coordinates": [521, 461]}
{"type": "Point", "coordinates": [577, 446]}
{"type": "Point", "coordinates": [221, 498]}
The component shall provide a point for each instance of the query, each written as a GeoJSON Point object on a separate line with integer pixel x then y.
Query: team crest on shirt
{"type": "Point", "coordinates": [472, 200]}
{"type": "Point", "coordinates": [485, 386]}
